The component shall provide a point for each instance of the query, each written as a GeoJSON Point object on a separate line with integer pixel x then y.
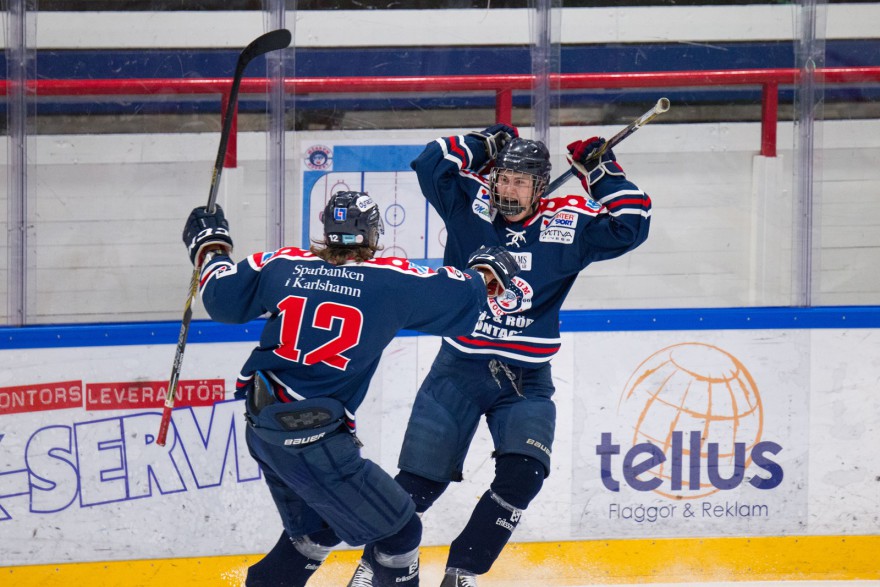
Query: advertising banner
{"type": "Point", "coordinates": [692, 434]}
{"type": "Point", "coordinates": [762, 432]}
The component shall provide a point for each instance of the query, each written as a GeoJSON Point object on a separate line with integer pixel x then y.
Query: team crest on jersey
{"type": "Point", "coordinates": [319, 158]}
{"type": "Point", "coordinates": [516, 298]}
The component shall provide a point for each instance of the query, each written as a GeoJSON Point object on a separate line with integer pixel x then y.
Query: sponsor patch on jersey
{"type": "Point", "coordinates": [563, 236]}
{"type": "Point", "coordinates": [524, 260]}
{"type": "Point", "coordinates": [481, 208]}
{"type": "Point", "coordinates": [454, 273]}
{"type": "Point", "coordinates": [563, 220]}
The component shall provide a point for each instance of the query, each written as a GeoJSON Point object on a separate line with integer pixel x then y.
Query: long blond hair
{"type": "Point", "coordinates": [338, 255]}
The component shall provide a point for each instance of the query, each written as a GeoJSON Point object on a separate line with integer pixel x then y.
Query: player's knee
{"type": "Point", "coordinates": [325, 537]}
{"type": "Point", "coordinates": [518, 479]}
{"type": "Point", "coordinates": [423, 492]}
{"type": "Point", "coordinates": [404, 540]}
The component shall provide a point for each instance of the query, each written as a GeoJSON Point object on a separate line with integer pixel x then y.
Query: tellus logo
{"type": "Point", "coordinates": [697, 424]}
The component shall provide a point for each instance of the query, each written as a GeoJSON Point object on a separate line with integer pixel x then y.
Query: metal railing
{"type": "Point", "coordinates": [503, 86]}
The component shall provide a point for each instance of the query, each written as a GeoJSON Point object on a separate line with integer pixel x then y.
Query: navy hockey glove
{"type": "Point", "coordinates": [497, 266]}
{"type": "Point", "coordinates": [590, 163]}
{"type": "Point", "coordinates": [205, 231]}
{"type": "Point", "coordinates": [495, 137]}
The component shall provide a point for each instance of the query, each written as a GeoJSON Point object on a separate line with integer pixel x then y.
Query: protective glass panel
{"type": "Point", "coordinates": [761, 172]}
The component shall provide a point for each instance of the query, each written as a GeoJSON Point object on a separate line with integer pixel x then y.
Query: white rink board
{"type": "Point", "coordinates": [68, 474]}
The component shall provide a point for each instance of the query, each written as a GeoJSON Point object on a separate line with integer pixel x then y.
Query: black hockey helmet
{"type": "Point", "coordinates": [523, 156]}
{"type": "Point", "coordinates": [352, 219]}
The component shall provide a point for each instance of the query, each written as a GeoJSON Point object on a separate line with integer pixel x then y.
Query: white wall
{"type": "Point", "coordinates": [109, 212]}
{"type": "Point", "coordinates": [359, 28]}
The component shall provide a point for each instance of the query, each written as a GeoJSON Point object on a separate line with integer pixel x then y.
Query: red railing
{"type": "Point", "coordinates": [502, 85]}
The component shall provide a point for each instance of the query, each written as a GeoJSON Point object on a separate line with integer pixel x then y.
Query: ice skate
{"type": "Point", "coordinates": [363, 575]}
{"type": "Point", "coordinates": [458, 578]}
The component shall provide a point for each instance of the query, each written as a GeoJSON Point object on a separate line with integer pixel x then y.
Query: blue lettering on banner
{"type": "Point", "coordinates": [99, 462]}
{"type": "Point", "coordinates": [641, 458]}
{"type": "Point", "coordinates": [641, 513]}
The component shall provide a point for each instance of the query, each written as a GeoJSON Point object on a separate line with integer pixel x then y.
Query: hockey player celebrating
{"type": "Point", "coordinates": [330, 311]}
{"type": "Point", "coordinates": [488, 187]}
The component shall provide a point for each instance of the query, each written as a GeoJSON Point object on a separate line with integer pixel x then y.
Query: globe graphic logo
{"type": "Point", "coordinates": [693, 387]}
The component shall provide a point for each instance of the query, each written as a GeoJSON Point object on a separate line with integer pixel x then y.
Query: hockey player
{"type": "Point", "coordinates": [488, 187]}
{"type": "Point", "coordinates": [330, 311]}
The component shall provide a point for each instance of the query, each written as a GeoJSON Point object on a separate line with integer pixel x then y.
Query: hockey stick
{"type": "Point", "coordinates": [271, 41]}
{"type": "Point", "coordinates": [660, 107]}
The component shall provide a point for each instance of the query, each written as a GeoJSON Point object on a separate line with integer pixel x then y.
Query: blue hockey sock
{"type": "Point", "coordinates": [485, 535]}
{"type": "Point", "coordinates": [289, 563]}
{"type": "Point", "coordinates": [423, 492]}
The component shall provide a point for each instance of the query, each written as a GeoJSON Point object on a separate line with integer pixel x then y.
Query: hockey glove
{"type": "Point", "coordinates": [205, 231]}
{"type": "Point", "coordinates": [495, 137]}
{"type": "Point", "coordinates": [590, 162]}
{"type": "Point", "coordinates": [496, 265]}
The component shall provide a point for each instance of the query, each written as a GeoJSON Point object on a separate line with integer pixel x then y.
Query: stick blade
{"type": "Point", "coordinates": [271, 41]}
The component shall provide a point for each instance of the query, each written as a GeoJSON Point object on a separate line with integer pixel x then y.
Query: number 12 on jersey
{"type": "Point", "coordinates": [293, 312]}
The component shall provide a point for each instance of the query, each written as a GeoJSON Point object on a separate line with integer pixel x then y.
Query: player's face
{"type": "Point", "coordinates": [515, 188]}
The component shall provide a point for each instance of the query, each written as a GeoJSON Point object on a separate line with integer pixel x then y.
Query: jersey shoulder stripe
{"type": "Point", "coordinates": [259, 260]}
{"type": "Point", "coordinates": [456, 150]}
{"type": "Point", "coordinates": [628, 202]}
{"type": "Point", "coordinates": [407, 267]}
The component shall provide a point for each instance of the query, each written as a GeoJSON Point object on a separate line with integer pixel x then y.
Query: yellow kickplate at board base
{"type": "Point", "coordinates": [534, 564]}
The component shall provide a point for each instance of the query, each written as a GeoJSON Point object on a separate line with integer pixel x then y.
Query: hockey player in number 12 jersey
{"type": "Point", "coordinates": [488, 188]}
{"type": "Point", "coordinates": [330, 312]}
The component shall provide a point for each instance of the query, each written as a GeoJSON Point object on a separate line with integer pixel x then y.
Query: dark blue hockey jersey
{"type": "Point", "coordinates": [327, 325]}
{"type": "Point", "coordinates": [565, 234]}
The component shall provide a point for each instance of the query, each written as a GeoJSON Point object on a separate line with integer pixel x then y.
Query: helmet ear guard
{"type": "Point", "coordinates": [352, 219]}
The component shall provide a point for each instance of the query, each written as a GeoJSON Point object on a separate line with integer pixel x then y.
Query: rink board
{"type": "Point", "coordinates": [788, 415]}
